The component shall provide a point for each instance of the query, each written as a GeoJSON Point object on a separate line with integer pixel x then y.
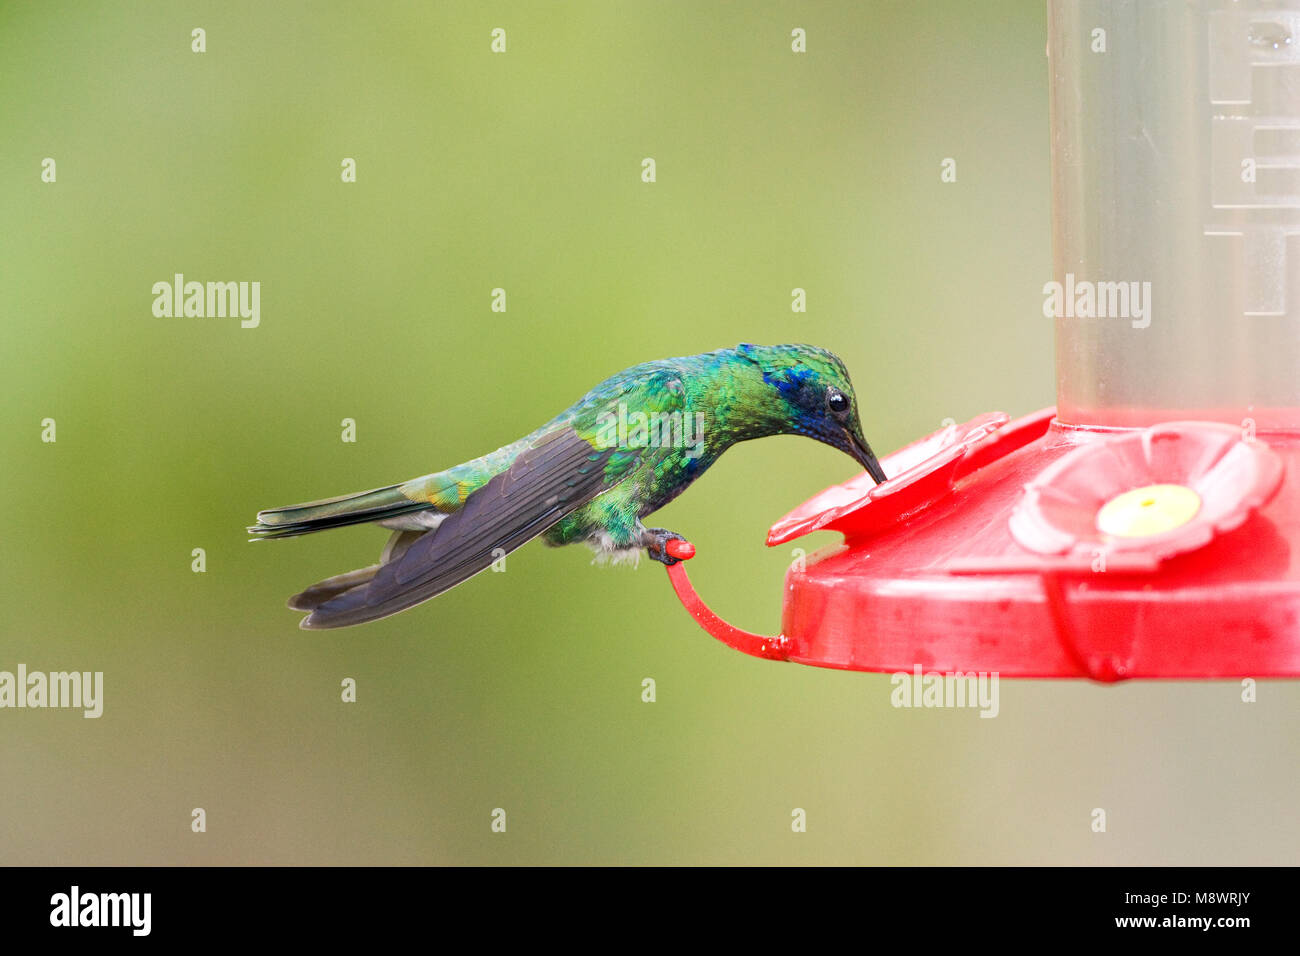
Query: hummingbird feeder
{"type": "Point", "coordinates": [1148, 526]}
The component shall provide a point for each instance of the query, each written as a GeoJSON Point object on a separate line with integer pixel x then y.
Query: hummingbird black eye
{"type": "Point", "coordinates": [836, 401]}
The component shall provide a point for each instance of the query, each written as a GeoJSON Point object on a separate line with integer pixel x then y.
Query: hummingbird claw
{"type": "Point", "coordinates": [667, 547]}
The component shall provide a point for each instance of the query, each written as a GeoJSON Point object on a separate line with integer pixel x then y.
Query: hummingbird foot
{"type": "Point", "coordinates": [666, 547]}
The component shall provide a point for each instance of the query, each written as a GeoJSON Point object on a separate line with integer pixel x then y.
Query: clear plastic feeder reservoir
{"type": "Point", "coordinates": [1176, 211]}
{"type": "Point", "coordinates": [1148, 526]}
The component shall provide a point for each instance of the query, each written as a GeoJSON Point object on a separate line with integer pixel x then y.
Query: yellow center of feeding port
{"type": "Point", "coordinates": [1147, 511]}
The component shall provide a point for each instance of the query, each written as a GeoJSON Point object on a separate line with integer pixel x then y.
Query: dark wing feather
{"type": "Point", "coordinates": [330, 588]}
{"type": "Point", "coordinates": [558, 474]}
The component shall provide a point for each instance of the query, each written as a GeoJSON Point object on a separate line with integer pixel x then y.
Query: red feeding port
{"type": "Point", "coordinates": [1151, 527]}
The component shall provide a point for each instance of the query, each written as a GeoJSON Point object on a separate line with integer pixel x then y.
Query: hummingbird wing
{"type": "Point", "coordinates": [558, 473]}
{"type": "Point", "coordinates": [471, 514]}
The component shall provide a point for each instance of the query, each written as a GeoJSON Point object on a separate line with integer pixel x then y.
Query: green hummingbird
{"type": "Point", "coordinates": [622, 451]}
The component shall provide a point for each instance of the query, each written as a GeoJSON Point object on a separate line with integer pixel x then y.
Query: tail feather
{"type": "Point", "coordinates": [450, 525]}
{"type": "Point", "coordinates": [360, 508]}
{"type": "Point", "coordinates": [557, 474]}
{"type": "Point", "coordinates": [332, 587]}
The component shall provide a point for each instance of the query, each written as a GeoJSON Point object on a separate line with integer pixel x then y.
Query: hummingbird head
{"type": "Point", "coordinates": [813, 396]}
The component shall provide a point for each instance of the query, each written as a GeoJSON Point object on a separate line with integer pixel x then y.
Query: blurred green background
{"type": "Point", "coordinates": [523, 690]}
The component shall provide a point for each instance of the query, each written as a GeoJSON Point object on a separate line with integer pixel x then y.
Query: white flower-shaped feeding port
{"type": "Point", "coordinates": [1137, 498]}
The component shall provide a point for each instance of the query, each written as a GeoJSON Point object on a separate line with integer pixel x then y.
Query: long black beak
{"type": "Point", "coordinates": [865, 457]}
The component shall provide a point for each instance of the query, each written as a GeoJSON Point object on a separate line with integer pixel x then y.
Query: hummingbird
{"type": "Point", "coordinates": [591, 474]}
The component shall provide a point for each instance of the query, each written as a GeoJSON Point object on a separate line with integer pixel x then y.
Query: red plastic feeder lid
{"type": "Point", "coordinates": [921, 472]}
{"type": "Point", "coordinates": [1036, 549]}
